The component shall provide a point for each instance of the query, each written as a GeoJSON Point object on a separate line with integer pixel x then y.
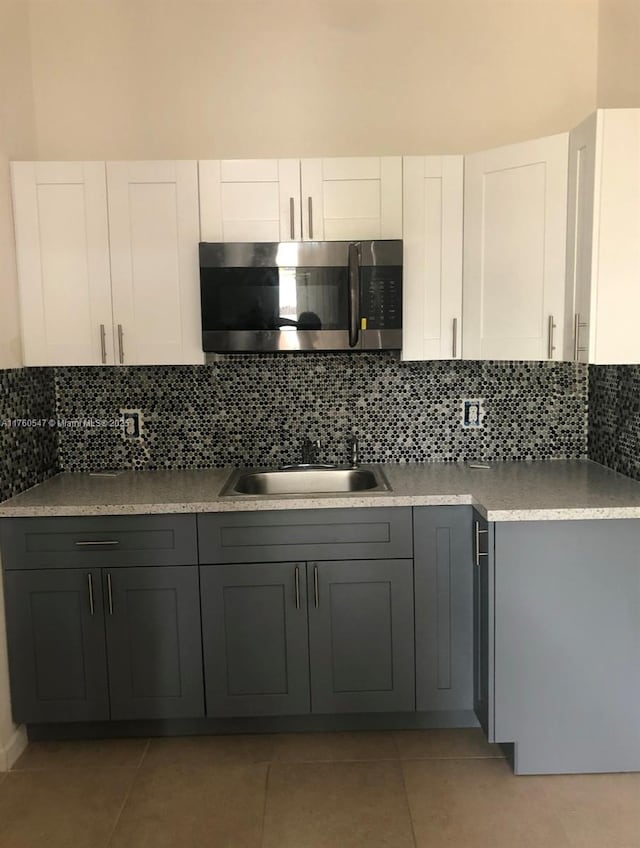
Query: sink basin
{"type": "Point", "coordinates": [305, 481]}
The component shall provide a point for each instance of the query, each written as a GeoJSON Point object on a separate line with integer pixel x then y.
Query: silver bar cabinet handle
{"type": "Point", "coordinates": [454, 351]}
{"type": "Point", "coordinates": [478, 532]}
{"type": "Point", "coordinates": [297, 578]}
{"type": "Point", "coordinates": [121, 343]}
{"type": "Point", "coordinates": [90, 582]}
{"type": "Point", "coordinates": [577, 326]}
{"type": "Point", "coordinates": [310, 204]}
{"type": "Point", "coordinates": [316, 594]}
{"type": "Point", "coordinates": [109, 594]}
{"type": "Point", "coordinates": [103, 344]}
{"type": "Point", "coordinates": [292, 218]}
{"type": "Point", "coordinates": [84, 544]}
{"type": "Point", "coordinates": [551, 347]}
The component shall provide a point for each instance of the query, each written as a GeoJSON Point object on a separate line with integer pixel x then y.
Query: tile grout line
{"type": "Point", "coordinates": [406, 798]}
{"type": "Point", "coordinates": [121, 810]}
{"type": "Point", "coordinates": [264, 806]}
{"type": "Point", "coordinates": [143, 756]}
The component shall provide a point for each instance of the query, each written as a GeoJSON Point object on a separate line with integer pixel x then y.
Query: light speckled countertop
{"type": "Point", "coordinates": [507, 491]}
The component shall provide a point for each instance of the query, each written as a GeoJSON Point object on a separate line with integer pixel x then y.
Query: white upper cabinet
{"type": "Point", "coordinates": [250, 200]}
{"type": "Point", "coordinates": [603, 239]}
{"type": "Point", "coordinates": [352, 198]}
{"type": "Point", "coordinates": [432, 265]}
{"type": "Point", "coordinates": [62, 247]}
{"type": "Point", "coordinates": [154, 235]}
{"type": "Point", "coordinates": [294, 200]}
{"type": "Point", "coordinates": [514, 251]}
{"type": "Point", "coordinates": [108, 269]}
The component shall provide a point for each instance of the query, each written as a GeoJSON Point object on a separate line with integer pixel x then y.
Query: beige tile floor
{"type": "Point", "coordinates": [419, 789]}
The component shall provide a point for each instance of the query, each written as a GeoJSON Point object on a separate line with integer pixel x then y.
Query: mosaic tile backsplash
{"type": "Point", "coordinates": [28, 435]}
{"type": "Point", "coordinates": [614, 417]}
{"type": "Point", "coordinates": [256, 410]}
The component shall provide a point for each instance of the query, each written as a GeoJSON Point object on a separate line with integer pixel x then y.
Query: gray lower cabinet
{"type": "Point", "coordinates": [56, 640]}
{"type": "Point", "coordinates": [270, 628]}
{"type": "Point", "coordinates": [361, 639]}
{"type": "Point", "coordinates": [103, 618]}
{"type": "Point", "coordinates": [154, 645]}
{"type": "Point", "coordinates": [565, 624]}
{"type": "Point", "coordinates": [94, 644]}
{"type": "Point", "coordinates": [444, 608]}
{"type": "Point", "coordinates": [254, 630]}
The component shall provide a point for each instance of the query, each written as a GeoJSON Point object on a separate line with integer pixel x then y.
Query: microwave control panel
{"type": "Point", "coordinates": [381, 298]}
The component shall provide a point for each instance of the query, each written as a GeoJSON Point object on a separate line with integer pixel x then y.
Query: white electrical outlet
{"type": "Point", "coordinates": [472, 416]}
{"type": "Point", "coordinates": [131, 423]}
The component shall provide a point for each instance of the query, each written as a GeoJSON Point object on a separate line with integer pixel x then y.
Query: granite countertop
{"type": "Point", "coordinates": [505, 491]}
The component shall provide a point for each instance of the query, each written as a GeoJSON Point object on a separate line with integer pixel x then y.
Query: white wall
{"type": "Point", "coordinates": [204, 78]}
{"type": "Point", "coordinates": [619, 53]}
{"type": "Point", "coordinates": [17, 141]}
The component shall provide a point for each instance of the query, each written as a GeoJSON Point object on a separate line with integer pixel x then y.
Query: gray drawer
{"type": "Point", "coordinates": [98, 541]}
{"type": "Point", "coordinates": [300, 534]}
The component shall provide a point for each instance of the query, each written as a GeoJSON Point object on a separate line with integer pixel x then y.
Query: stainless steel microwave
{"type": "Point", "coordinates": [301, 296]}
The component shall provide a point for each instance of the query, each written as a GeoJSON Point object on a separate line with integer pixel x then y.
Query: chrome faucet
{"type": "Point", "coordinates": [354, 451]}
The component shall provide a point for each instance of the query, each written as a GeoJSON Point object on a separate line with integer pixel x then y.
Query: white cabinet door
{"type": "Point", "coordinates": [432, 257]}
{"type": "Point", "coordinates": [603, 239]}
{"type": "Point", "coordinates": [154, 234]}
{"type": "Point", "coordinates": [250, 200]}
{"type": "Point", "coordinates": [514, 251]}
{"type": "Point", "coordinates": [353, 198]}
{"type": "Point", "coordinates": [62, 242]}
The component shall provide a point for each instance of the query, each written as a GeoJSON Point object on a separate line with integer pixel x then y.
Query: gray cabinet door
{"type": "Point", "coordinates": [443, 607]}
{"type": "Point", "coordinates": [55, 629]}
{"type": "Point", "coordinates": [153, 642]}
{"type": "Point", "coordinates": [483, 632]}
{"type": "Point", "coordinates": [361, 640]}
{"type": "Point", "coordinates": [254, 628]}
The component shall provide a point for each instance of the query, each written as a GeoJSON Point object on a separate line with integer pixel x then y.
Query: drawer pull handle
{"type": "Point", "coordinates": [310, 205]}
{"type": "Point", "coordinates": [109, 594]}
{"type": "Point", "coordinates": [316, 593]}
{"type": "Point", "coordinates": [479, 532]}
{"type": "Point", "coordinates": [90, 582]}
{"type": "Point", "coordinates": [110, 542]}
{"type": "Point", "coordinates": [297, 579]}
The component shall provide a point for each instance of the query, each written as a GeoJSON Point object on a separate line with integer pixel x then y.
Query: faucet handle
{"type": "Point", "coordinates": [354, 450]}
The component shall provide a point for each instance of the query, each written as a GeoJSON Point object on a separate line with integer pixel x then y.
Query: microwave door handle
{"type": "Point", "coordinates": [354, 294]}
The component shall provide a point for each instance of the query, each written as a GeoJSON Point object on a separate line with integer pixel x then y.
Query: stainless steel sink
{"type": "Point", "coordinates": [306, 481]}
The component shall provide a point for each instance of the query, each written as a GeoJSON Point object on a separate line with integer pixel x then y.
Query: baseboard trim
{"type": "Point", "coordinates": [266, 724]}
{"type": "Point", "coordinates": [14, 747]}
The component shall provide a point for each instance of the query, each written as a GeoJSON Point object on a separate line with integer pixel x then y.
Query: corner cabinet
{"type": "Point", "coordinates": [557, 634]}
{"type": "Point", "coordinates": [108, 262]}
{"type": "Point", "coordinates": [301, 199]}
{"type": "Point", "coordinates": [432, 264]}
{"type": "Point", "coordinates": [514, 251]}
{"type": "Point", "coordinates": [603, 239]}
